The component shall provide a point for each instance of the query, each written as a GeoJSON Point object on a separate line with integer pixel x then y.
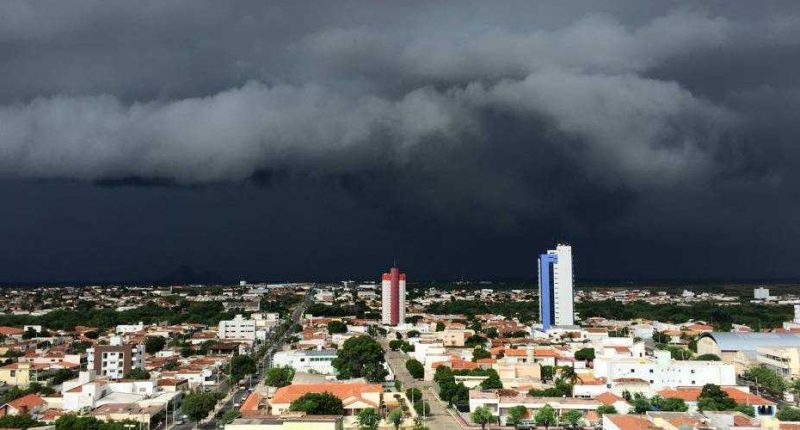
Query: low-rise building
{"type": "Point", "coordinates": [312, 361]}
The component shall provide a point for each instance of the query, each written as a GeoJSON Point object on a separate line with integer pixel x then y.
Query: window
{"type": "Point", "coordinates": [651, 370]}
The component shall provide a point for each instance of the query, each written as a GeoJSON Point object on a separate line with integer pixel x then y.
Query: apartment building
{"type": "Point", "coordinates": [238, 328]}
{"type": "Point", "coordinates": [116, 360]}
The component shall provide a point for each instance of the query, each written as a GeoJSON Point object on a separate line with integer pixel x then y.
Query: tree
{"type": "Point", "coordinates": [480, 353]}
{"type": "Point", "coordinates": [337, 327]}
{"type": "Point", "coordinates": [766, 378]}
{"type": "Point", "coordinates": [546, 416]}
{"type": "Point", "coordinates": [368, 419]}
{"type": "Point", "coordinates": [196, 406]}
{"type": "Point", "coordinates": [412, 333]}
{"type": "Point", "coordinates": [492, 332]}
{"type": "Point", "coordinates": [586, 354]}
{"type": "Point", "coordinates": [395, 417]}
{"type": "Point", "coordinates": [707, 357]}
{"type": "Point", "coordinates": [30, 333]}
{"type": "Point", "coordinates": [318, 404]}
{"type": "Point", "coordinates": [547, 373]}
{"type": "Point", "coordinates": [230, 415]}
{"type": "Point", "coordinates": [171, 365]}
{"type": "Point", "coordinates": [242, 365]}
{"type": "Point", "coordinates": [439, 326]}
{"type": "Point", "coordinates": [413, 394]}
{"type": "Point", "coordinates": [669, 404]}
{"type": "Point", "coordinates": [138, 374]}
{"type": "Point", "coordinates": [153, 344]}
{"type": "Point", "coordinates": [515, 415]}
{"type": "Point", "coordinates": [789, 413]}
{"type": "Point", "coordinates": [606, 409]}
{"type": "Point", "coordinates": [279, 376]}
{"type": "Point", "coordinates": [415, 368]}
{"type": "Point", "coordinates": [482, 416]}
{"type": "Point", "coordinates": [641, 404]}
{"type": "Point", "coordinates": [492, 382]}
{"type": "Point", "coordinates": [712, 398]}
{"type": "Point", "coordinates": [746, 409]}
{"type": "Point", "coordinates": [360, 356]}
{"type": "Point", "coordinates": [660, 337]}
{"type": "Point", "coordinates": [572, 417]}
{"type": "Point", "coordinates": [62, 375]}
{"type": "Point", "coordinates": [21, 421]}
{"type": "Point", "coordinates": [475, 340]}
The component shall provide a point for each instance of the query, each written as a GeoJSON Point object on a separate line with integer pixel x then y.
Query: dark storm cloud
{"type": "Point", "coordinates": [597, 121]}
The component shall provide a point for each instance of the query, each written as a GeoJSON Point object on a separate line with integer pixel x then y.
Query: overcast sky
{"type": "Point", "coordinates": [319, 140]}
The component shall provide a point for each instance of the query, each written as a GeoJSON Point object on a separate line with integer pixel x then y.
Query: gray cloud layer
{"type": "Point", "coordinates": [506, 114]}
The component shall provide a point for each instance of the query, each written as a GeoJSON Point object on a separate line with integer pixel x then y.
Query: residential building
{"type": "Point", "coordinates": [556, 287]}
{"type": "Point", "coordinates": [355, 396]}
{"type": "Point", "coordinates": [116, 360]}
{"type": "Point", "coordinates": [313, 361]}
{"type": "Point", "coordinates": [740, 349]}
{"type": "Point", "coordinates": [393, 297]}
{"type": "Point", "coordinates": [785, 360]}
{"type": "Point", "coordinates": [663, 372]}
{"type": "Point", "coordinates": [238, 328]}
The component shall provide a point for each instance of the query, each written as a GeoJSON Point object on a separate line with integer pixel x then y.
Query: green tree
{"type": "Point", "coordinates": [572, 417]}
{"type": "Point", "coordinates": [712, 398]}
{"type": "Point", "coordinates": [515, 415]}
{"type": "Point", "coordinates": [413, 394]}
{"type": "Point", "coordinates": [439, 326]}
{"type": "Point", "coordinates": [153, 344]}
{"type": "Point", "coordinates": [21, 421]}
{"type": "Point", "coordinates": [242, 365]}
{"type": "Point", "coordinates": [768, 379]}
{"type": "Point", "coordinates": [395, 418]}
{"type": "Point", "coordinates": [606, 409]}
{"type": "Point", "coordinates": [318, 404]}
{"type": "Point", "coordinates": [475, 340]}
{"type": "Point", "coordinates": [707, 357]}
{"type": "Point", "coordinates": [492, 382]}
{"type": "Point", "coordinates": [138, 374]}
{"type": "Point", "coordinates": [197, 405]}
{"type": "Point", "coordinates": [279, 376]}
{"type": "Point", "coordinates": [230, 415]}
{"type": "Point", "coordinates": [360, 356]}
{"type": "Point", "coordinates": [789, 413]}
{"type": "Point", "coordinates": [546, 416]}
{"type": "Point", "coordinates": [492, 333]}
{"type": "Point", "coordinates": [641, 404]}
{"type": "Point", "coordinates": [63, 375]}
{"type": "Point", "coordinates": [482, 416]}
{"type": "Point", "coordinates": [337, 327]}
{"type": "Point", "coordinates": [480, 353]}
{"type": "Point", "coordinates": [368, 419]}
{"type": "Point", "coordinates": [547, 373]}
{"type": "Point", "coordinates": [660, 337]}
{"type": "Point", "coordinates": [669, 404]}
{"type": "Point", "coordinates": [415, 368]}
{"type": "Point", "coordinates": [586, 354]}
{"type": "Point", "coordinates": [746, 409]}
{"type": "Point", "coordinates": [412, 333]}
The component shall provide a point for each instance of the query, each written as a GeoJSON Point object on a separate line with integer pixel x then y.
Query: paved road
{"type": "Point", "coordinates": [241, 394]}
{"type": "Point", "coordinates": [439, 418]}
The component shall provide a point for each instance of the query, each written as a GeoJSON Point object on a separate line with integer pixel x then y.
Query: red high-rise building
{"type": "Point", "coordinates": [393, 297]}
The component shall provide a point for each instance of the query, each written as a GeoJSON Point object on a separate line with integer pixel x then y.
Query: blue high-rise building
{"type": "Point", "coordinates": [556, 305]}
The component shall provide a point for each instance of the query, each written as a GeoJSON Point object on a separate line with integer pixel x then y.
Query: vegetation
{"type": "Point", "coordinates": [707, 357]}
{"type": "Point", "coordinates": [524, 310]}
{"type": "Point", "coordinates": [153, 344]}
{"type": "Point", "coordinates": [546, 416]}
{"type": "Point", "coordinates": [789, 413]}
{"type": "Point", "coordinates": [62, 375]}
{"type": "Point", "coordinates": [768, 379]}
{"type": "Point", "coordinates": [712, 398]}
{"type": "Point", "coordinates": [360, 356]}
{"type": "Point", "coordinates": [482, 416]}
{"type": "Point", "coordinates": [415, 368]}
{"type": "Point", "coordinates": [197, 405]}
{"type": "Point", "coordinates": [572, 417]}
{"type": "Point", "coordinates": [242, 365]}
{"type": "Point", "coordinates": [21, 421]}
{"type": "Point", "coordinates": [279, 376]}
{"type": "Point", "coordinates": [606, 409]}
{"type": "Point", "coordinates": [395, 418]}
{"type": "Point", "coordinates": [586, 354]}
{"type": "Point", "coordinates": [515, 415]}
{"type": "Point", "coordinates": [721, 317]}
{"type": "Point", "coordinates": [337, 327]}
{"type": "Point", "coordinates": [480, 353]}
{"type": "Point", "coordinates": [230, 415]}
{"type": "Point", "coordinates": [33, 388]}
{"type": "Point", "coordinates": [318, 404]}
{"type": "Point", "coordinates": [138, 374]}
{"type": "Point", "coordinates": [368, 419]}
{"type": "Point", "coordinates": [74, 422]}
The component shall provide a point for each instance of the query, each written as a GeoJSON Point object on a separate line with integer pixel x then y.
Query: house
{"type": "Point", "coordinates": [354, 396]}
{"type": "Point", "coordinates": [22, 374]}
{"type": "Point", "coordinates": [762, 407]}
{"type": "Point", "coordinates": [30, 404]}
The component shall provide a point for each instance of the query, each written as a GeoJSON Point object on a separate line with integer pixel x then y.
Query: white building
{"type": "Point", "coordinates": [556, 292]}
{"type": "Point", "coordinates": [130, 328]}
{"type": "Point", "coordinates": [314, 361]}
{"type": "Point", "coordinates": [237, 329]}
{"type": "Point", "coordinates": [663, 372]}
{"type": "Point", "coordinates": [115, 360]}
{"type": "Point", "coordinates": [761, 293]}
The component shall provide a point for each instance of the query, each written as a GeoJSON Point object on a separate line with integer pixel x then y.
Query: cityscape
{"type": "Point", "coordinates": [399, 215]}
{"type": "Point", "coordinates": [400, 354]}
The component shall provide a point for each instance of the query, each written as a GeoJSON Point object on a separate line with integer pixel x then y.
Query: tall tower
{"type": "Point", "coordinates": [556, 293]}
{"type": "Point", "coordinates": [393, 297]}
